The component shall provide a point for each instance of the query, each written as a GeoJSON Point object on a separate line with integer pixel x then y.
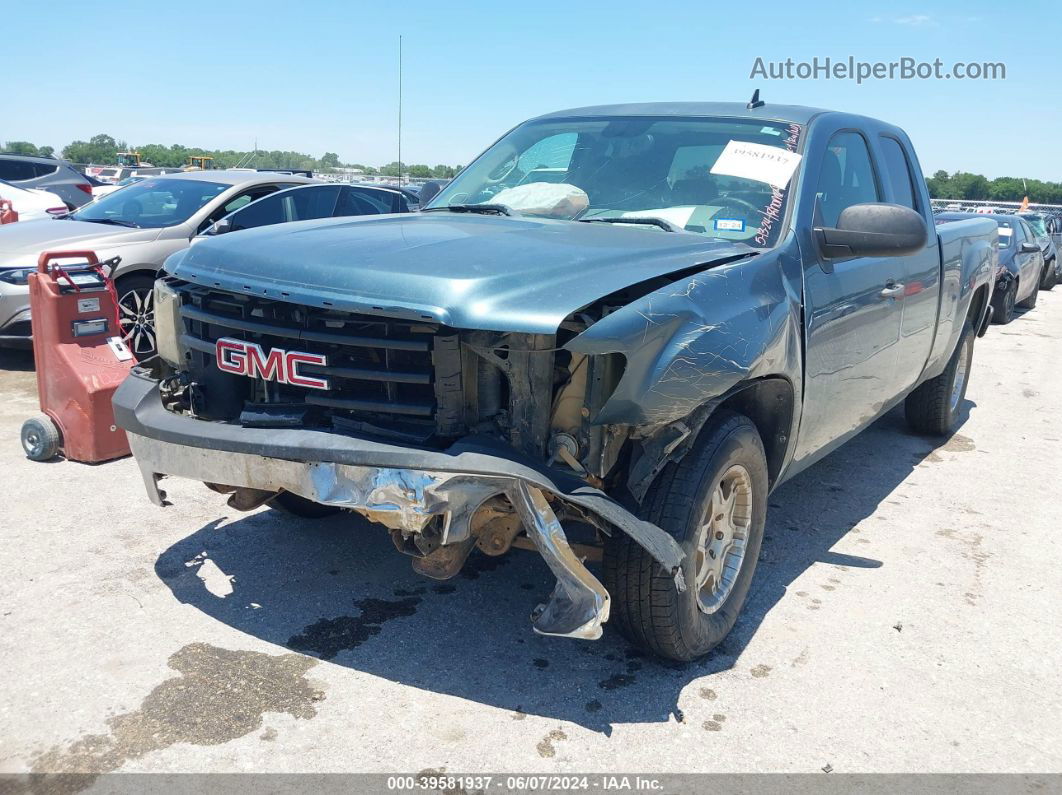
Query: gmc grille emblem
{"type": "Point", "coordinates": [246, 358]}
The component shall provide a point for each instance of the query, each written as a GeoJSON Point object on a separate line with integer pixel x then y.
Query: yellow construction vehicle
{"type": "Point", "coordinates": [198, 163]}
{"type": "Point", "coordinates": [130, 160]}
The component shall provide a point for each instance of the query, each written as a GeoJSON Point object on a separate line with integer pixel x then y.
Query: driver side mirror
{"type": "Point", "coordinates": [1029, 248]}
{"type": "Point", "coordinates": [873, 230]}
{"type": "Point", "coordinates": [429, 190]}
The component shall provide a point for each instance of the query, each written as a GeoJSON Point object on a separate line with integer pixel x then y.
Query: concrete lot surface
{"type": "Point", "coordinates": [906, 616]}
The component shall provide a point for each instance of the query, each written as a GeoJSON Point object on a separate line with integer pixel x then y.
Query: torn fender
{"type": "Point", "coordinates": [697, 338]}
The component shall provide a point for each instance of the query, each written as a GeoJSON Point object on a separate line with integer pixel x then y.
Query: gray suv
{"type": "Point", "coordinates": [143, 224]}
{"type": "Point", "coordinates": [53, 175]}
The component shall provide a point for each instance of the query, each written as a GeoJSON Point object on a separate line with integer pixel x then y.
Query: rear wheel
{"type": "Point", "coordinates": [293, 504]}
{"type": "Point", "coordinates": [1005, 307]}
{"type": "Point", "coordinates": [1050, 278]}
{"type": "Point", "coordinates": [136, 311]}
{"type": "Point", "coordinates": [714, 503]}
{"type": "Point", "coordinates": [40, 438]}
{"type": "Point", "coordinates": [933, 408]}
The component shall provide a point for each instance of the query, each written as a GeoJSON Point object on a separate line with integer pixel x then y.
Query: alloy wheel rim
{"type": "Point", "coordinates": [136, 310]}
{"type": "Point", "coordinates": [723, 538]}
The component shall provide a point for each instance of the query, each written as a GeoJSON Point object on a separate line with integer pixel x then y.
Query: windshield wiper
{"type": "Point", "coordinates": [112, 221]}
{"type": "Point", "coordinates": [667, 226]}
{"type": "Point", "coordinates": [483, 209]}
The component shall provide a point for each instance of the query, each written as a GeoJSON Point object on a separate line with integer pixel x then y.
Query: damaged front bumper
{"type": "Point", "coordinates": [403, 488]}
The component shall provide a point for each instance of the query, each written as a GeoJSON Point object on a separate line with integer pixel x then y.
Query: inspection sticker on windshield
{"type": "Point", "coordinates": [729, 225]}
{"type": "Point", "coordinates": [770, 164]}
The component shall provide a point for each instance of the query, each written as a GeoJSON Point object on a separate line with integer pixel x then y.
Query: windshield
{"type": "Point", "coordinates": [151, 203]}
{"type": "Point", "coordinates": [1037, 224]}
{"type": "Point", "coordinates": [725, 178]}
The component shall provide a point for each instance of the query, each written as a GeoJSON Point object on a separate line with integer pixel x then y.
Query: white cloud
{"type": "Point", "coordinates": [915, 20]}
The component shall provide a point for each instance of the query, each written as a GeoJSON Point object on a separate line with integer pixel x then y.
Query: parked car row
{"type": "Point", "coordinates": [1023, 269]}
{"type": "Point", "coordinates": [56, 176]}
{"type": "Point", "coordinates": [148, 219]}
{"type": "Point", "coordinates": [31, 204]}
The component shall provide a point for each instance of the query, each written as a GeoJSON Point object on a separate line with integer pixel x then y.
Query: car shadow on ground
{"type": "Point", "coordinates": [337, 589]}
{"type": "Point", "coordinates": [16, 359]}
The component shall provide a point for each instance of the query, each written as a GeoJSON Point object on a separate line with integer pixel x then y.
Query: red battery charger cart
{"type": "Point", "coordinates": [80, 359]}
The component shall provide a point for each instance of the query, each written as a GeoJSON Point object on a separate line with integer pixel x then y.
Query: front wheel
{"type": "Point", "coordinates": [933, 408]}
{"type": "Point", "coordinates": [714, 503]}
{"type": "Point", "coordinates": [136, 312]}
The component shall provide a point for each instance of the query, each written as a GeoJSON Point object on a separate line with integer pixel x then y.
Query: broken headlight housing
{"type": "Point", "coordinates": [168, 323]}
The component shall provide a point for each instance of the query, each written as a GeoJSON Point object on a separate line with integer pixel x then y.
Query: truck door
{"type": "Point", "coordinates": [852, 310]}
{"type": "Point", "coordinates": [921, 280]}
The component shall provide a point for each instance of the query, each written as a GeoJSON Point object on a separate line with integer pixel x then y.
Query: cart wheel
{"type": "Point", "coordinates": [40, 438]}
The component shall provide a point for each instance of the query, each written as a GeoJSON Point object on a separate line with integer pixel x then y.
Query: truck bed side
{"type": "Point", "coordinates": [968, 259]}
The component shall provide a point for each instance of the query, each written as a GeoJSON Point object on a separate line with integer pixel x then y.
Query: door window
{"type": "Point", "coordinates": [236, 202]}
{"type": "Point", "coordinates": [262, 213]}
{"type": "Point", "coordinates": [847, 177]}
{"type": "Point", "coordinates": [898, 173]}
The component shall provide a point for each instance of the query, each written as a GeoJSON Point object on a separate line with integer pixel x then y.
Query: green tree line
{"type": "Point", "coordinates": [103, 150]}
{"type": "Point", "coordinates": [963, 185]}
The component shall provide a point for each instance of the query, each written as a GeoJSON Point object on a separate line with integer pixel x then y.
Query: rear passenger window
{"type": "Point", "coordinates": [898, 173]}
{"type": "Point", "coordinates": [847, 177]}
{"type": "Point", "coordinates": [364, 202]}
{"type": "Point", "coordinates": [16, 170]}
{"type": "Point", "coordinates": [310, 203]}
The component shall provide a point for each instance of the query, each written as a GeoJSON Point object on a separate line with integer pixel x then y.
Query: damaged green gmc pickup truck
{"type": "Point", "coordinates": [607, 339]}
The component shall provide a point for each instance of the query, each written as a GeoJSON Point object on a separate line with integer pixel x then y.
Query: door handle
{"type": "Point", "coordinates": [892, 290]}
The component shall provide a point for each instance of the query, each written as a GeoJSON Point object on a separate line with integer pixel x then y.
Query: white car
{"type": "Point", "coordinates": [103, 190]}
{"type": "Point", "coordinates": [114, 174]}
{"type": "Point", "coordinates": [31, 204]}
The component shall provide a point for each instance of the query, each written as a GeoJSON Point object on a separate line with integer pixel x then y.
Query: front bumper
{"type": "Point", "coordinates": [14, 314]}
{"type": "Point", "coordinates": [400, 487]}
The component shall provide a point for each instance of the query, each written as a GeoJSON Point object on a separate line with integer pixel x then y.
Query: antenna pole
{"type": "Point", "coordinates": [400, 110]}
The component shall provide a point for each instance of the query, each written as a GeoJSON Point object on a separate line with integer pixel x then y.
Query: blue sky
{"type": "Point", "coordinates": [316, 76]}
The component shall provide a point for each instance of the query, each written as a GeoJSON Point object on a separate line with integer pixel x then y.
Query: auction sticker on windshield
{"type": "Point", "coordinates": [770, 164]}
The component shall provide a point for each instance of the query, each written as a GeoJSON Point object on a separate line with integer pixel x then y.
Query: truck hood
{"type": "Point", "coordinates": [463, 270]}
{"type": "Point", "coordinates": [21, 243]}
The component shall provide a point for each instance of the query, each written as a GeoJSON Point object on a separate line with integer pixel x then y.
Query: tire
{"type": "Point", "coordinates": [40, 438]}
{"type": "Point", "coordinates": [1050, 278]}
{"type": "Point", "coordinates": [293, 504]}
{"type": "Point", "coordinates": [136, 308]}
{"type": "Point", "coordinates": [647, 608]}
{"type": "Point", "coordinates": [933, 407]}
{"type": "Point", "coordinates": [1005, 308]}
{"type": "Point", "coordinates": [1030, 301]}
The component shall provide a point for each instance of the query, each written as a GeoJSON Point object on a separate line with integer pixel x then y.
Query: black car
{"type": "Point", "coordinates": [1021, 263]}
{"type": "Point", "coordinates": [308, 202]}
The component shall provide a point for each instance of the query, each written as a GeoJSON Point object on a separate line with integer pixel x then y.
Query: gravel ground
{"type": "Point", "coordinates": [905, 617]}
